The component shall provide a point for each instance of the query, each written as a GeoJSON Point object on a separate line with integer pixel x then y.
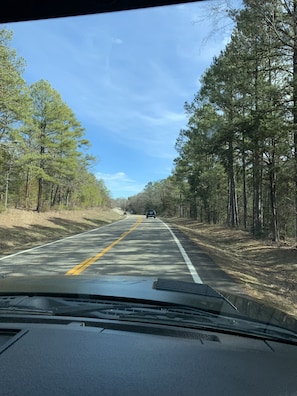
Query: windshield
{"type": "Point", "coordinates": [157, 142]}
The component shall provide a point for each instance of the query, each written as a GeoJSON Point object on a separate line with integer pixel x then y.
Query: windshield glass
{"type": "Point", "coordinates": [157, 142]}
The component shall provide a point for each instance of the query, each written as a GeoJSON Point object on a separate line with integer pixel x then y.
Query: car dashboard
{"type": "Point", "coordinates": [74, 356]}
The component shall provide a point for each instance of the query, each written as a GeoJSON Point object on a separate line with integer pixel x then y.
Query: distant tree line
{"type": "Point", "coordinates": [163, 196]}
{"type": "Point", "coordinates": [237, 157]}
{"type": "Point", "coordinates": [44, 162]}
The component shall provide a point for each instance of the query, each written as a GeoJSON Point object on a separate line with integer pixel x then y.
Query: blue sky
{"type": "Point", "coordinates": [126, 76]}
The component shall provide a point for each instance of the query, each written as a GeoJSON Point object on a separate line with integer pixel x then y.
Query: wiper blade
{"type": "Point", "coordinates": [184, 315]}
{"type": "Point", "coordinates": [208, 320]}
{"type": "Point", "coordinates": [177, 315]}
{"type": "Point", "coordinates": [93, 310]}
{"type": "Point", "coordinates": [169, 314]}
{"type": "Point", "coordinates": [270, 331]}
{"type": "Point", "coordinates": [24, 311]}
{"type": "Point", "coordinates": [146, 312]}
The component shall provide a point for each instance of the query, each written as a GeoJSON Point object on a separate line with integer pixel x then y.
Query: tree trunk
{"type": "Point", "coordinates": [40, 181]}
{"type": "Point", "coordinates": [244, 186]}
{"type": "Point", "coordinates": [193, 209]}
{"type": "Point", "coordinates": [274, 222]}
{"type": "Point", "coordinates": [295, 110]}
{"type": "Point", "coordinates": [257, 198]}
{"type": "Point", "coordinates": [55, 195]}
{"type": "Point", "coordinates": [40, 193]}
{"type": "Point", "coordinates": [232, 206]}
{"type": "Point", "coordinates": [27, 189]}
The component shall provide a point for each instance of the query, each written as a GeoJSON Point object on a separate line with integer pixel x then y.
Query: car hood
{"type": "Point", "coordinates": [147, 289]}
{"type": "Point", "coordinates": [120, 287]}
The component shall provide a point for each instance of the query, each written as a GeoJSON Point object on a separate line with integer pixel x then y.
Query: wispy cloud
{"type": "Point", "coordinates": [120, 184]}
{"type": "Point", "coordinates": [116, 41]}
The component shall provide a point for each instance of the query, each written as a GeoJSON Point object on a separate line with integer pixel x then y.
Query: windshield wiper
{"type": "Point", "coordinates": [183, 316]}
{"type": "Point", "coordinates": [24, 310]}
{"type": "Point", "coordinates": [209, 321]}
{"type": "Point", "coordinates": [177, 315]}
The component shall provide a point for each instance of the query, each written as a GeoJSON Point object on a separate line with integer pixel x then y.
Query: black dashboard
{"type": "Point", "coordinates": [67, 356]}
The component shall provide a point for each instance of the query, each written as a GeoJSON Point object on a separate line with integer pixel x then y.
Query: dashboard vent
{"type": "Point", "coordinates": [153, 329]}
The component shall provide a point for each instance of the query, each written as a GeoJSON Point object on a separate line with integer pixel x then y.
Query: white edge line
{"type": "Point", "coordinates": [187, 259]}
{"type": "Point", "coordinates": [58, 240]}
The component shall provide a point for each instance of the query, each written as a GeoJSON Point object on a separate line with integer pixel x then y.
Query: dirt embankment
{"type": "Point", "coordinates": [20, 229]}
{"type": "Point", "coordinates": [266, 271]}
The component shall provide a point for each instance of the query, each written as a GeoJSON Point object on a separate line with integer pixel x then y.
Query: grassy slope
{"type": "Point", "coordinates": [21, 229]}
{"type": "Point", "coordinates": [267, 272]}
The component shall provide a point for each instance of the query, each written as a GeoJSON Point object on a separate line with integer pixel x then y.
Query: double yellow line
{"type": "Point", "coordinates": [79, 268]}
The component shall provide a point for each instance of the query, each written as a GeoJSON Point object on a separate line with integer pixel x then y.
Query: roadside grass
{"type": "Point", "coordinates": [268, 272]}
{"type": "Point", "coordinates": [21, 229]}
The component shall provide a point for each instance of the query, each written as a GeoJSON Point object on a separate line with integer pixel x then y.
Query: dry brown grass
{"type": "Point", "coordinates": [21, 229]}
{"type": "Point", "coordinates": [268, 272]}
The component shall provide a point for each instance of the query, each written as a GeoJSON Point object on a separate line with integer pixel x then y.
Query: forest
{"type": "Point", "coordinates": [44, 160]}
{"type": "Point", "coordinates": [236, 161]}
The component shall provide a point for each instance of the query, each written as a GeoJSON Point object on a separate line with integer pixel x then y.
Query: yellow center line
{"type": "Point", "coordinates": [89, 261]}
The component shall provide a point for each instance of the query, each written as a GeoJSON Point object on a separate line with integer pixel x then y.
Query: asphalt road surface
{"type": "Point", "coordinates": [134, 246]}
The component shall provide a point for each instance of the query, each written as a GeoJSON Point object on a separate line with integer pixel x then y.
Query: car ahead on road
{"type": "Point", "coordinates": [140, 336]}
{"type": "Point", "coordinates": [151, 213]}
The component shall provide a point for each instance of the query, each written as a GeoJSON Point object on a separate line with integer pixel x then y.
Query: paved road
{"type": "Point", "coordinates": [133, 246]}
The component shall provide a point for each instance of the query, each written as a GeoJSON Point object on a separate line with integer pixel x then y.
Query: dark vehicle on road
{"type": "Point", "coordinates": [151, 213]}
